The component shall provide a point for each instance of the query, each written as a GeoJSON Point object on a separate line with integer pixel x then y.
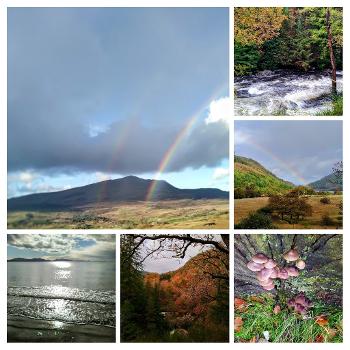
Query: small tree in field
{"type": "Point", "coordinates": [290, 208]}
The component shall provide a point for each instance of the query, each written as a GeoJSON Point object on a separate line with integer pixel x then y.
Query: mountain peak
{"type": "Point", "coordinates": [127, 189]}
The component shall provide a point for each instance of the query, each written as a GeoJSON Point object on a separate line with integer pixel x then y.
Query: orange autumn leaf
{"type": "Point", "coordinates": [238, 324]}
{"type": "Point", "coordinates": [253, 340]}
{"type": "Point", "coordinates": [240, 304]}
{"type": "Point", "coordinates": [321, 320]}
{"type": "Point", "coordinates": [319, 338]}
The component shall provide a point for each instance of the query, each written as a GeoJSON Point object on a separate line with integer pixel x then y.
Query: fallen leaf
{"type": "Point", "coordinates": [253, 340]}
{"type": "Point", "coordinates": [321, 320]}
{"type": "Point", "coordinates": [319, 338]}
{"type": "Point", "coordinates": [257, 299]}
{"type": "Point", "coordinates": [240, 304]}
{"type": "Point", "coordinates": [238, 324]}
{"type": "Point", "coordinates": [276, 309]}
{"type": "Point", "coordinates": [331, 332]}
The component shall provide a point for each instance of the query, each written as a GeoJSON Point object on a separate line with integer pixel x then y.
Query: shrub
{"type": "Point", "coordinates": [325, 200]}
{"type": "Point", "coordinates": [327, 220]}
{"type": "Point", "coordinates": [256, 221]}
{"type": "Point", "coordinates": [249, 191]}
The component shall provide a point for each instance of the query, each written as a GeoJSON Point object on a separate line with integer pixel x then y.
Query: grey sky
{"type": "Point", "coordinates": [109, 89]}
{"type": "Point", "coordinates": [164, 261]}
{"type": "Point", "coordinates": [69, 246]}
{"type": "Point", "coordinates": [297, 151]}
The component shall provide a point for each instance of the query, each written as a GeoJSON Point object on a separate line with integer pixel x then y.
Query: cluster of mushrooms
{"type": "Point", "coordinates": [300, 304]}
{"type": "Point", "coordinates": [267, 270]}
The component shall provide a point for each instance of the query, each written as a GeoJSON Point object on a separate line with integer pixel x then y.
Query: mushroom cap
{"type": "Point", "coordinates": [253, 266]}
{"type": "Point", "coordinates": [270, 263]}
{"type": "Point", "coordinates": [269, 286]}
{"type": "Point", "coordinates": [264, 274]}
{"type": "Point", "coordinates": [260, 258]}
{"type": "Point", "coordinates": [275, 272]}
{"type": "Point", "coordinates": [300, 264]}
{"type": "Point", "coordinates": [300, 309]}
{"type": "Point", "coordinates": [292, 271]}
{"type": "Point", "coordinates": [266, 282]}
{"type": "Point", "coordinates": [291, 303]}
{"type": "Point", "coordinates": [291, 255]}
{"type": "Point", "coordinates": [283, 274]}
{"type": "Point", "coordinates": [301, 299]}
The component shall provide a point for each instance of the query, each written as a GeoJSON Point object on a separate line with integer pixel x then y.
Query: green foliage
{"type": "Point", "coordinates": [287, 326]}
{"type": "Point", "coordinates": [337, 107]}
{"type": "Point", "coordinates": [299, 43]}
{"type": "Point", "coordinates": [246, 59]}
{"type": "Point", "coordinates": [256, 220]}
{"type": "Point", "coordinates": [253, 180]}
{"type": "Point", "coordinates": [133, 298]}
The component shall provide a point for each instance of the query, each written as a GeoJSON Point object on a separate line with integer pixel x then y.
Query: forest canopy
{"type": "Point", "coordinates": [296, 38]}
{"type": "Point", "coordinates": [190, 304]}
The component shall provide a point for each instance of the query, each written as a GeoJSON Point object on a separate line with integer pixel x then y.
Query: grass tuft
{"type": "Point", "coordinates": [287, 326]}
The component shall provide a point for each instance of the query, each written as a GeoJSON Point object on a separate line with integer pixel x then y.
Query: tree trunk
{"type": "Point", "coordinates": [331, 53]}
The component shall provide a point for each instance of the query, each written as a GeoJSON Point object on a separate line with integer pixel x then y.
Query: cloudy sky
{"type": "Point", "coordinates": [164, 261]}
{"type": "Point", "coordinates": [102, 93]}
{"type": "Point", "coordinates": [297, 151]}
{"type": "Point", "coordinates": [55, 246]}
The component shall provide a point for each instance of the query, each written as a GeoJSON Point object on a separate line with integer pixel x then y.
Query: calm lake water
{"type": "Point", "coordinates": [73, 292]}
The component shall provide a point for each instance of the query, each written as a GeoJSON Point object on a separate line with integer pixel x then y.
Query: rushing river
{"type": "Point", "coordinates": [284, 92]}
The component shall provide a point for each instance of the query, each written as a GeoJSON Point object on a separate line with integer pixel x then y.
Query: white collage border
{"type": "Point", "coordinates": [170, 3]}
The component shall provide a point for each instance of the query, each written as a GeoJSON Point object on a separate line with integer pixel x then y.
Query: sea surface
{"type": "Point", "coordinates": [284, 92]}
{"type": "Point", "coordinates": [77, 293]}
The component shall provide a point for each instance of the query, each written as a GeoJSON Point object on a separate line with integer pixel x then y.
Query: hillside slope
{"type": "Point", "coordinates": [127, 189]}
{"type": "Point", "coordinates": [251, 175]}
{"type": "Point", "coordinates": [327, 183]}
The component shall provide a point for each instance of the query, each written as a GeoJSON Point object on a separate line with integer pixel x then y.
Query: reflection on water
{"type": "Point", "coordinates": [61, 264]}
{"type": "Point", "coordinates": [74, 292]}
{"type": "Point", "coordinates": [91, 275]}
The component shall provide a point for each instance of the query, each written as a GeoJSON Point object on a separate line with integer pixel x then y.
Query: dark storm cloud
{"type": "Point", "coordinates": [137, 75]}
{"type": "Point", "coordinates": [74, 246]}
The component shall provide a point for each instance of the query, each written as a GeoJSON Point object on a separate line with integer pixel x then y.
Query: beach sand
{"type": "Point", "coordinates": [22, 329]}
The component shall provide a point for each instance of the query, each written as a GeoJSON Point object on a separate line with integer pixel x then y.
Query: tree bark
{"type": "Point", "coordinates": [331, 53]}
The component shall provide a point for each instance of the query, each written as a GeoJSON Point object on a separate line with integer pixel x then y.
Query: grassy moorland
{"type": "Point", "coordinates": [244, 207]}
{"type": "Point", "coordinates": [182, 214]}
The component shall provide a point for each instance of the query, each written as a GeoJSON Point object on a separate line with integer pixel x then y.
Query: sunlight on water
{"type": "Point", "coordinates": [62, 264]}
{"type": "Point", "coordinates": [62, 292]}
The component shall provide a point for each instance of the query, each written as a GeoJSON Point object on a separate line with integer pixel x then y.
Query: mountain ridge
{"type": "Point", "coordinates": [326, 183]}
{"type": "Point", "coordinates": [127, 189]}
